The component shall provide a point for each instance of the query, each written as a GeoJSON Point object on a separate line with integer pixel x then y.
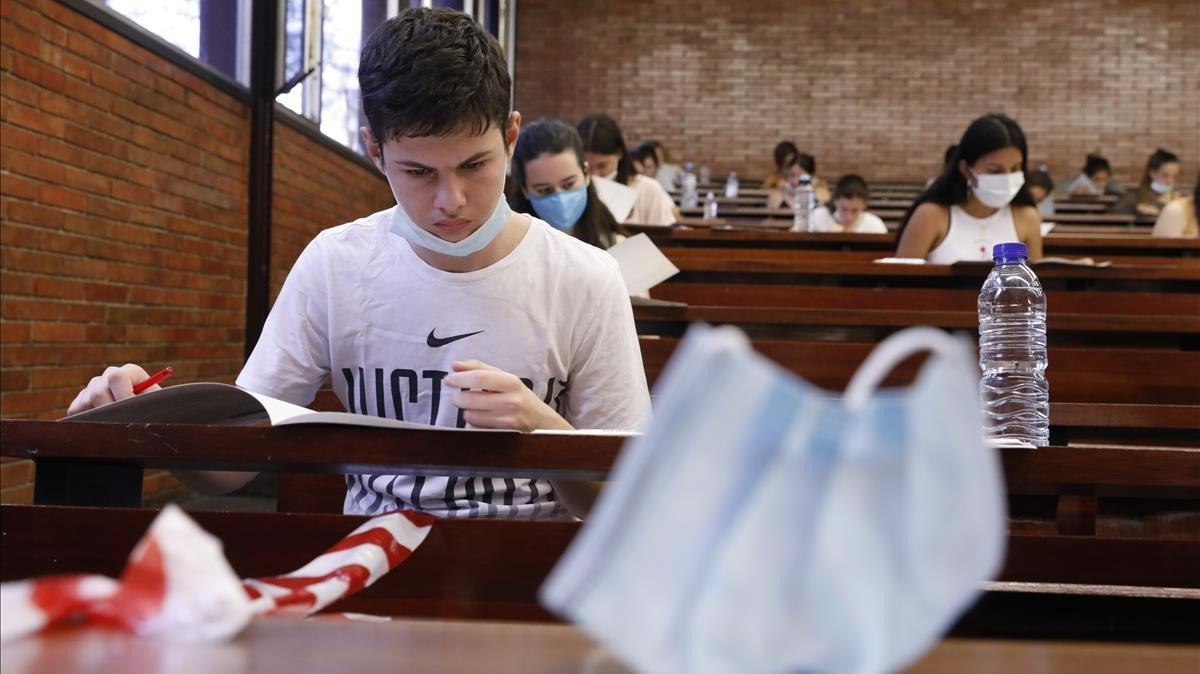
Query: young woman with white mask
{"type": "Point", "coordinates": [550, 179]}
{"type": "Point", "coordinates": [606, 154]}
{"type": "Point", "coordinates": [980, 200]}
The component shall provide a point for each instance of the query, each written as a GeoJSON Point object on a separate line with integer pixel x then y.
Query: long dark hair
{"type": "Point", "coordinates": [601, 135]}
{"type": "Point", "coordinates": [785, 153]}
{"type": "Point", "coordinates": [984, 136]}
{"type": "Point", "coordinates": [596, 225]}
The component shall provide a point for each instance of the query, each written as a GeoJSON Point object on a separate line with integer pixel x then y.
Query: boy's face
{"type": "Point", "coordinates": [847, 210]}
{"type": "Point", "coordinates": [448, 185]}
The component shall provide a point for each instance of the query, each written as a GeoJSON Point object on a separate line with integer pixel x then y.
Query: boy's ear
{"type": "Point", "coordinates": [373, 149]}
{"type": "Point", "coordinates": [512, 133]}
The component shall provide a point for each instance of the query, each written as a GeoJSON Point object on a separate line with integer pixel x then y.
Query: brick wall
{"type": "Point", "coordinates": [315, 188]}
{"type": "Point", "coordinates": [123, 215]}
{"type": "Point", "coordinates": [878, 87]}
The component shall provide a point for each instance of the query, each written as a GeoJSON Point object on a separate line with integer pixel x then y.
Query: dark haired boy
{"type": "Point", "coordinates": [849, 209]}
{"type": "Point", "coordinates": [447, 309]}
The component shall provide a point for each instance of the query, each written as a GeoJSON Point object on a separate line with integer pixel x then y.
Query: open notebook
{"type": "Point", "coordinates": [210, 403]}
{"type": "Point", "coordinates": [225, 405]}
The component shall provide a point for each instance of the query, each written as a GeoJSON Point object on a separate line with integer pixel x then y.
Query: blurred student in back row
{"type": "Point", "coordinates": [608, 158]}
{"type": "Point", "coordinates": [1094, 180]}
{"type": "Point", "coordinates": [980, 200]}
{"type": "Point", "coordinates": [799, 166]}
{"type": "Point", "coordinates": [848, 210]}
{"type": "Point", "coordinates": [1157, 188]}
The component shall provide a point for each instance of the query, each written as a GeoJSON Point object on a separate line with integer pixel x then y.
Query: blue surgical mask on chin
{"type": "Point", "coordinates": [403, 225]}
{"type": "Point", "coordinates": [561, 209]}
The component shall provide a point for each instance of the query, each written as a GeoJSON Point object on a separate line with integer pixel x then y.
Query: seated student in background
{"type": "Point", "coordinates": [645, 161]}
{"type": "Point", "coordinates": [667, 173]}
{"type": "Point", "coordinates": [550, 179]}
{"type": "Point", "coordinates": [607, 157]}
{"type": "Point", "coordinates": [784, 154]}
{"type": "Point", "coordinates": [438, 309]}
{"type": "Point", "coordinates": [802, 164]}
{"type": "Point", "coordinates": [979, 201]}
{"type": "Point", "coordinates": [947, 157]}
{"type": "Point", "coordinates": [1157, 188]}
{"type": "Point", "coordinates": [1040, 188]}
{"type": "Point", "coordinates": [1178, 218]}
{"type": "Point", "coordinates": [1094, 180]}
{"type": "Point", "coordinates": [849, 214]}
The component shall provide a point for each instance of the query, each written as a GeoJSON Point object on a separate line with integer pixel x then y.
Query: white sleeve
{"type": "Point", "coordinates": [291, 358]}
{"type": "Point", "coordinates": [607, 387]}
{"type": "Point", "coordinates": [1172, 220]}
{"type": "Point", "coordinates": [872, 224]}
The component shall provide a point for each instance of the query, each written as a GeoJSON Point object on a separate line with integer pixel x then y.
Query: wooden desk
{"type": "Point", "coordinates": [282, 646]}
{"type": "Point", "coordinates": [1067, 240]}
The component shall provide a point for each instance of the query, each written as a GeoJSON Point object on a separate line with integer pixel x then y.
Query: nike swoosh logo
{"type": "Point", "coordinates": [435, 342]}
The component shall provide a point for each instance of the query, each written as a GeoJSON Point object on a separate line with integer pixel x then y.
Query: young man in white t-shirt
{"type": "Point", "coordinates": [448, 309]}
{"type": "Point", "coordinates": [849, 213]}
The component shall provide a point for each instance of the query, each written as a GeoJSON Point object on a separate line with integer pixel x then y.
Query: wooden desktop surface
{"type": "Point", "coordinates": [289, 646]}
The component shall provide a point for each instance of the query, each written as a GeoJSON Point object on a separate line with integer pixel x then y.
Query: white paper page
{"type": "Point", "coordinates": [900, 260]}
{"type": "Point", "coordinates": [617, 198]}
{"type": "Point", "coordinates": [643, 265]}
{"type": "Point", "coordinates": [1047, 227]}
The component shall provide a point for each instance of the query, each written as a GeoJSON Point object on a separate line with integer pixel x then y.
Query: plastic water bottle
{"type": "Point", "coordinates": [1014, 392]}
{"type": "Point", "coordinates": [731, 185]}
{"type": "Point", "coordinates": [690, 197]}
{"type": "Point", "coordinates": [710, 207]}
{"type": "Point", "coordinates": [803, 206]}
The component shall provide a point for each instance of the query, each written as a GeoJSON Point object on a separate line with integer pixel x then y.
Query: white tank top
{"type": "Point", "coordinates": [971, 239]}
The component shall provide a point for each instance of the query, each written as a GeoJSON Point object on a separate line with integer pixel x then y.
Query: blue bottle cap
{"type": "Point", "coordinates": [1010, 252]}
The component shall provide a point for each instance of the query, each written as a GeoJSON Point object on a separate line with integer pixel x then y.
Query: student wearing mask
{"type": "Point", "coordinates": [784, 154]}
{"type": "Point", "coordinates": [801, 165]}
{"type": "Point", "coordinates": [550, 179]}
{"type": "Point", "coordinates": [1157, 188]}
{"type": "Point", "coordinates": [978, 202]}
{"type": "Point", "coordinates": [1094, 180]}
{"type": "Point", "coordinates": [440, 309]}
{"type": "Point", "coordinates": [1040, 188]}
{"type": "Point", "coordinates": [608, 158]}
{"type": "Point", "coordinates": [849, 209]}
{"type": "Point", "coordinates": [1178, 218]}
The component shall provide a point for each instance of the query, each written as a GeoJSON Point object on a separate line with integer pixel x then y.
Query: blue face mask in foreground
{"type": "Point", "coordinates": [762, 524]}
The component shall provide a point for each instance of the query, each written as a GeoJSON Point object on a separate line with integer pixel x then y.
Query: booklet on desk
{"type": "Point", "coordinates": [225, 405]}
{"type": "Point", "coordinates": [643, 265]}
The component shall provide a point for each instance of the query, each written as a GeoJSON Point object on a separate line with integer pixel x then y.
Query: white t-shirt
{"type": "Point", "coordinates": [868, 223]}
{"type": "Point", "coordinates": [360, 305]}
{"type": "Point", "coordinates": [971, 239]}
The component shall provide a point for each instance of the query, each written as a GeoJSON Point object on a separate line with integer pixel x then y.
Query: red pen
{"type": "Point", "coordinates": [138, 388]}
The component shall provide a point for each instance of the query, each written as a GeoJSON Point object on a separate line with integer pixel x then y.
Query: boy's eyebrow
{"type": "Point", "coordinates": [412, 164]}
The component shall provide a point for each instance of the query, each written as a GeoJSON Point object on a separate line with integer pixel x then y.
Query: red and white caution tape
{"type": "Point", "coordinates": [179, 585]}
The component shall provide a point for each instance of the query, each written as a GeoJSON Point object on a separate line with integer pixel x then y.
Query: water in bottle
{"type": "Point", "coordinates": [1014, 393]}
{"type": "Point", "coordinates": [731, 186]}
{"type": "Point", "coordinates": [802, 206]}
{"type": "Point", "coordinates": [689, 198]}
{"type": "Point", "coordinates": [710, 207]}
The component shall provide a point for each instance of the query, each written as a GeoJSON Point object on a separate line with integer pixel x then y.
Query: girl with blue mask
{"type": "Point", "coordinates": [550, 180]}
